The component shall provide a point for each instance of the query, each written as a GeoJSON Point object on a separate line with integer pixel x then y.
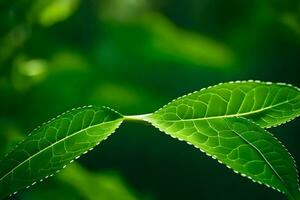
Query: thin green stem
{"type": "Point", "coordinates": [137, 118]}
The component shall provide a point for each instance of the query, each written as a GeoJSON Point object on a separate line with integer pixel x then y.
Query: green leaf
{"type": "Point", "coordinates": [156, 39]}
{"type": "Point", "coordinates": [55, 144]}
{"type": "Point", "coordinates": [240, 144]}
{"type": "Point", "coordinates": [226, 122]}
{"type": "Point", "coordinates": [267, 104]}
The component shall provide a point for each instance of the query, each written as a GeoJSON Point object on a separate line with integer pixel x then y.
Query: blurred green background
{"type": "Point", "coordinates": [135, 56]}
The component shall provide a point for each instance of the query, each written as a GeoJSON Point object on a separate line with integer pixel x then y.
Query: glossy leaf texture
{"type": "Point", "coordinates": [240, 144]}
{"type": "Point", "coordinates": [226, 122]}
{"type": "Point", "coordinates": [267, 104]}
{"type": "Point", "coordinates": [55, 144]}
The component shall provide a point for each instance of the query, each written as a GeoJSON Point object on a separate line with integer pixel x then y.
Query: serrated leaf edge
{"type": "Point", "coordinates": [77, 157]}
{"type": "Point", "coordinates": [243, 175]}
{"type": "Point", "coordinates": [44, 124]}
{"type": "Point", "coordinates": [248, 81]}
{"type": "Point", "coordinates": [237, 172]}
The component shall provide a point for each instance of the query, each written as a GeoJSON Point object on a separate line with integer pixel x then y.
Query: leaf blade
{"type": "Point", "coordinates": [51, 147]}
{"type": "Point", "coordinates": [257, 104]}
{"type": "Point", "coordinates": [267, 104]}
{"type": "Point", "coordinates": [241, 145]}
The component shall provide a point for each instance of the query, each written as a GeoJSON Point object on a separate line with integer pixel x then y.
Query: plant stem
{"type": "Point", "coordinates": [137, 118]}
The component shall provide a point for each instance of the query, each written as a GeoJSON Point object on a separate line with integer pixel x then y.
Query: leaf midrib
{"type": "Point", "coordinates": [238, 115]}
{"type": "Point", "coordinates": [65, 138]}
{"type": "Point", "coordinates": [227, 116]}
{"type": "Point", "coordinates": [263, 156]}
{"type": "Point", "coordinates": [256, 149]}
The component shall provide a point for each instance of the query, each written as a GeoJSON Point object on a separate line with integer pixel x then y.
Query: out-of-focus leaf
{"type": "Point", "coordinates": [13, 40]}
{"type": "Point", "coordinates": [154, 38]}
{"type": "Point", "coordinates": [187, 46]}
{"type": "Point", "coordinates": [124, 97]}
{"type": "Point", "coordinates": [292, 21]}
{"type": "Point", "coordinates": [77, 183]}
{"type": "Point", "coordinates": [27, 73]}
{"type": "Point", "coordinates": [68, 59]}
{"type": "Point", "coordinates": [49, 12]}
{"type": "Point", "coordinates": [121, 10]}
{"type": "Point", "coordinates": [49, 190]}
{"type": "Point", "coordinates": [94, 186]}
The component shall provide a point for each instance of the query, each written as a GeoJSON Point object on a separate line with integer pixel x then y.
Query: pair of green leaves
{"type": "Point", "coordinates": [225, 121]}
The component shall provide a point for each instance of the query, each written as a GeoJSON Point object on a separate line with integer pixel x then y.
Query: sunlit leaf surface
{"type": "Point", "coordinates": [267, 104]}
{"type": "Point", "coordinates": [55, 144]}
{"type": "Point", "coordinates": [214, 120]}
